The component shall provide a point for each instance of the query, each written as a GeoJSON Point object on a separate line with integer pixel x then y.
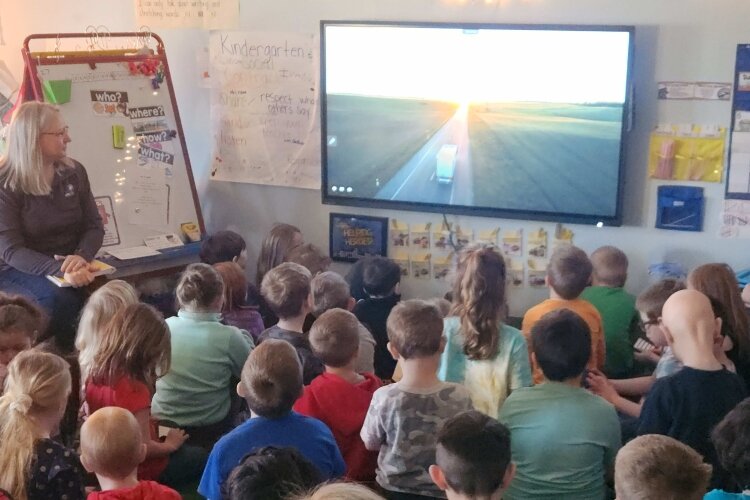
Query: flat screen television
{"type": "Point", "coordinates": [519, 121]}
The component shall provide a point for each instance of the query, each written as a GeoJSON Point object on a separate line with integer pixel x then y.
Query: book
{"type": "Point", "coordinates": [99, 269]}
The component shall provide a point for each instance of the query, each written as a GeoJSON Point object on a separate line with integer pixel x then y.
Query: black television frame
{"type": "Point", "coordinates": [615, 220]}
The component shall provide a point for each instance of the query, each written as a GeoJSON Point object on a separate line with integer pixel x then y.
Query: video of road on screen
{"type": "Point", "coordinates": [513, 119]}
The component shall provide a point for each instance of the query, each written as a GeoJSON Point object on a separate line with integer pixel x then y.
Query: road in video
{"type": "Point", "coordinates": [519, 120]}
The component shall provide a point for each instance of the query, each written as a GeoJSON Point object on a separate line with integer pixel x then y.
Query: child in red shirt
{"type": "Point", "coordinates": [111, 447]}
{"type": "Point", "coordinates": [133, 347]}
{"type": "Point", "coordinates": [340, 397]}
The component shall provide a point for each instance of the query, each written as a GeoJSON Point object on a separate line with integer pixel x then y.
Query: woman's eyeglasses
{"type": "Point", "coordinates": [60, 134]}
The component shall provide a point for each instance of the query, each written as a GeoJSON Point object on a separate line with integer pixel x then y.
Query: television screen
{"type": "Point", "coordinates": [521, 121]}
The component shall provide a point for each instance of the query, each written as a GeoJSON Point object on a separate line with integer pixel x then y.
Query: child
{"type": "Point", "coordinates": [20, 323]}
{"type": "Point", "coordinates": [473, 457]}
{"type": "Point", "coordinates": [489, 357]}
{"type": "Point", "coordinates": [341, 491]}
{"type": "Point", "coordinates": [616, 307]}
{"type": "Point", "coordinates": [33, 466]}
{"type": "Point", "coordinates": [311, 257]}
{"type": "Point", "coordinates": [273, 251]}
{"type": "Point", "coordinates": [271, 473]}
{"type": "Point", "coordinates": [235, 311]}
{"type": "Point", "coordinates": [719, 283]}
{"type": "Point", "coordinates": [131, 350]}
{"type": "Point", "coordinates": [111, 448]}
{"type": "Point", "coordinates": [689, 403]}
{"type": "Point", "coordinates": [286, 289]}
{"type": "Point", "coordinates": [655, 467]}
{"type": "Point", "coordinates": [568, 273]}
{"type": "Point", "coordinates": [618, 392]}
{"type": "Point", "coordinates": [112, 296]}
{"type": "Point", "coordinates": [328, 290]}
{"type": "Point", "coordinates": [195, 393]}
{"type": "Point", "coordinates": [340, 397]}
{"type": "Point", "coordinates": [732, 442]}
{"type": "Point", "coordinates": [404, 417]}
{"type": "Point", "coordinates": [271, 383]}
{"type": "Point", "coordinates": [380, 279]}
{"type": "Point", "coordinates": [224, 246]}
{"type": "Point", "coordinates": [564, 439]}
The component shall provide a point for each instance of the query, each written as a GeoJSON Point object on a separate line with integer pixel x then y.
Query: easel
{"type": "Point", "coordinates": [138, 50]}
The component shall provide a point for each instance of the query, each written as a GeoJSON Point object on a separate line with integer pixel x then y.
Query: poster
{"type": "Point", "coordinates": [206, 14]}
{"type": "Point", "coordinates": [265, 117]}
{"type": "Point", "coordinates": [107, 213]}
{"type": "Point", "coordinates": [355, 236]}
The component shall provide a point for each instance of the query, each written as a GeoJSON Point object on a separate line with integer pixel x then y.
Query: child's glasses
{"type": "Point", "coordinates": [645, 324]}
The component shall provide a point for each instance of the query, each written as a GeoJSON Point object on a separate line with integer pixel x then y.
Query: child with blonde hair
{"type": "Point", "coordinates": [235, 311]}
{"type": "Point", "coordinates": [206, 356]}
{"type": "Point", "coordinates": [112, 296]}
{"type": "Point", "coordinates": [20, 323]}
{"type": "Point", "coordinates": [274, 250]}
{"type": "Point", "coordinates": [111, 447]}
{"type": "Point", "coordinates": [489, 357]}
{"type": "Point", "coordinates": [656, 467]}
{"type": "Point", "coordinates": [133, 350]}
{"type": "Point", "coordinates": [340, 397]}
{"type": "Point", "coordinates": [33, 466]}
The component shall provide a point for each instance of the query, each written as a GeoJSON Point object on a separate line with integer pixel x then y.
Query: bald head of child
{"type": "Point", "coordinates": [691, 329]}
{"type": "Point", "coordinates": [111, 444]}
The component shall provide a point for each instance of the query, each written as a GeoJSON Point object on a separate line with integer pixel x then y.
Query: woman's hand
{"type": "Point", "coordinates": [79, 278]}
{"type": "Point", "coordinates": [71, 263]}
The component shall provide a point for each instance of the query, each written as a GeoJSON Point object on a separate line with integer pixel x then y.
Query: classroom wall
{"type": "Point", "coordinates": [690, 40]}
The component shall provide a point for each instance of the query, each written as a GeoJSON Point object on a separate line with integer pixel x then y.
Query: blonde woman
{"type": "Point", "coordinates": [49, 223]}
{"type": "Point", "coordinates": [33, 466]}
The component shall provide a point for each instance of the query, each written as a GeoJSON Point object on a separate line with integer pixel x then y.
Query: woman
{"type": "Point", "coordinates": [49, 223]}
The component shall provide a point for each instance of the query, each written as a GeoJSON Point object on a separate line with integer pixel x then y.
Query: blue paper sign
{"type": "Point", "coordinates": [355, 236]}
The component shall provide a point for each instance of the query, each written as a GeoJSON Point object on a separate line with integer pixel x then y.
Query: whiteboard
{"type": "Point", "coordinates": [143, 187]}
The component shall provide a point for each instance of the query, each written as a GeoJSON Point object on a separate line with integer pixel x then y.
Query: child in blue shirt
{"type": "Point", "coordinates": [271, 383]}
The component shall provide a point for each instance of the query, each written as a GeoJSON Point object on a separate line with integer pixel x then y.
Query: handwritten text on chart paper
{"type": "Point", "coordinates": [264, 108]}
{"type": "Point", "coordinates": [207, 14]}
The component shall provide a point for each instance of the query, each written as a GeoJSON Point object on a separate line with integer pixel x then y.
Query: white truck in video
{"type": "Point", "coordinates": [445, 166]}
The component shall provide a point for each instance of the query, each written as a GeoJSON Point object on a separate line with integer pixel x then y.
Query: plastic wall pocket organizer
{"type": "Point", "coordinates": [679, 208]}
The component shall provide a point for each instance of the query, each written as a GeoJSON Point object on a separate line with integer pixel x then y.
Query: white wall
{"type": "Point", "coordinates": [675, 40]}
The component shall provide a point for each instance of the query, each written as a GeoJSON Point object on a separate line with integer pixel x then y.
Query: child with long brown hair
{"type": "Point", "coordinates": [33, 466]}
{"type": "Point", "coordinates": [719, 283]}
{"type": "Point", "coordinates": [489, 357]}
{"type": "Point", "coordinates": [235, 311]}
{"type": "Point", "coordinates": [131, 353]}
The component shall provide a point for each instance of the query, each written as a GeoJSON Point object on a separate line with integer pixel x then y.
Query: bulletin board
{"type": "Point", "coordinates": [125, 128]}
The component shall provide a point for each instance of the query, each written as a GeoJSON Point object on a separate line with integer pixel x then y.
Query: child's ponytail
{"type": "Point", "coordinates": [479, 299]}
{"type": "Point", "coordinates": [199, 287]}
{"type": "Point", "coordinates": [37, 381]}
